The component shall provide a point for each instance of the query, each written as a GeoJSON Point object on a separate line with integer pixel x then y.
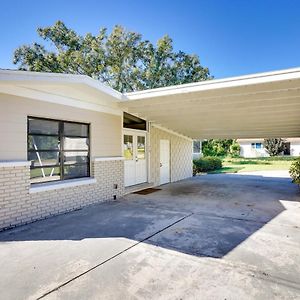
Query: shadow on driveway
{"type": "Point", "coordinates": [251, 222]}
{"type": "Point", "coordinates": [212, 214]}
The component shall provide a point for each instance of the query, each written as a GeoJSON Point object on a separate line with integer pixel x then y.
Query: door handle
{"type": "Point", "coordinates": [160, 165]}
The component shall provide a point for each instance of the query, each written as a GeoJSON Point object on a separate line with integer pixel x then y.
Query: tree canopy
{"type": "Point", "coordinates": [274, 146]}
{"type": "Point", "coordinates": [122, 59]}
{"type": "Point", "coordinates": [219, 147]}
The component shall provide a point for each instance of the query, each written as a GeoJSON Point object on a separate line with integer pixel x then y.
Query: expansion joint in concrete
{"type": "Point", "coordinates": [114, 256]}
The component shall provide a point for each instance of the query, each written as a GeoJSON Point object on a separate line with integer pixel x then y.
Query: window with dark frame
{"type": "Point", "coordinates": [58, 150]}
{"type": "Point", "coordinates": [257, 145]}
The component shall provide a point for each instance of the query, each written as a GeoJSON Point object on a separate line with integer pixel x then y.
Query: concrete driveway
{"type": "Point", "coordinates": [211, 237]}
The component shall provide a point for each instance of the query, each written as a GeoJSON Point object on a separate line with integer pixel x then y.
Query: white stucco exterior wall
{"type": "Point", "coordinates": [248, 152]}
{"type": "Point", "coordinates": [295, 147]}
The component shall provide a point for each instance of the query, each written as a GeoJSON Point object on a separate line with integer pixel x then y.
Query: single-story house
{"type": "Point", "coordinates": [255, 147]}
{"type": "Point", "coordinates": [68, 140]}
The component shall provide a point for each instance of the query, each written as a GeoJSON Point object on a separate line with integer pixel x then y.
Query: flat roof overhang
{"type": "Point", "coordinates": [68, 89]}
{"type": "Point", "coordinates": [255, 106]}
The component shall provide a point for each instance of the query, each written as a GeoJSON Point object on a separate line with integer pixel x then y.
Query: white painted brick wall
{"type": "Point", "coordinates": [18, 206]}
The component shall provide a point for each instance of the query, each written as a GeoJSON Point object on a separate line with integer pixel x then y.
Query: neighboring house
{"type": "Point", "coordinates": [255, 147]}
{"type": "Point", "coordinates": [68, 140]}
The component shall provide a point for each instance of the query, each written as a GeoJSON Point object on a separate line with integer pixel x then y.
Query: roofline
{"type": "Point", "coordinates": [251, 79]}
{"type": "Point", "coordinates": [256, 78]}
{"type": "Point", "coordinates": [16, 75]}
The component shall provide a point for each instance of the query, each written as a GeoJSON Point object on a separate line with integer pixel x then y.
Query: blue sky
{"type": "Point", "coordinates": [232, 37]}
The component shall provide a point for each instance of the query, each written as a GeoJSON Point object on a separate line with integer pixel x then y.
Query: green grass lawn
{"type": "Point", "coordinates": [237, 165]}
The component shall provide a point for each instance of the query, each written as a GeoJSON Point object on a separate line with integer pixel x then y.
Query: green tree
{"type": "Point", "coordinates": [121, 59]}
{"type": "Point", "coordinates": [217, 147]}
{"type": "Point", "coordinates": [234, 149]}
{"type": "Point", "coordinates": [274, 146]}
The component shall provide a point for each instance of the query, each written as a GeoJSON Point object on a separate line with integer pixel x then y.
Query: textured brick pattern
{"type": "Point", "coordinates": [180, 155]}
{"type": "Point", "coordinates": [18, 206]}
{"type": "Point", "coordinates": [14, 195]}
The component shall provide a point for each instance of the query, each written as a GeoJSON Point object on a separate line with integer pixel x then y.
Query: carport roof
{"type": "Point", "coordinates": [253, 106]}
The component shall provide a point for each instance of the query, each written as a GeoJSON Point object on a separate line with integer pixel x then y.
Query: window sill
{"type": "Point", "coordinates": [37, 188]}
{"type": "Point", "coordinates": [9, 164]}
{"type": "Point", "coordinates": [108, 158]}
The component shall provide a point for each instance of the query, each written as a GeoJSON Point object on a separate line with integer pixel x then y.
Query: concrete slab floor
{"type": "Point", "coordinates": [210, 237]}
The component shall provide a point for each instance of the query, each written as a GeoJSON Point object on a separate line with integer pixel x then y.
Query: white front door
{"type": "Point", "coordinates": [135, 155]}
{"type": "Point", "coordinates": [164, 161]}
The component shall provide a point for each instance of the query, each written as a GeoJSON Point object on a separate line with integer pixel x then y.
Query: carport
{"type": "Point", "coordinates": [208, 237]}
{"type": "Point", "coordinates": [254, 106]}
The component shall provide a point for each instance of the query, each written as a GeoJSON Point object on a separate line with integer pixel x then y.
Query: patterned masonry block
{"type": "Point", "coordinates": [181, 149]}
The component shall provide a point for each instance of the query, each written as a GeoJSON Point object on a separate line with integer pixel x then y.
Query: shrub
{"type": "Point", "coordinates": [234, 149]}
{"type": "Point", "coordinates": [206, 164]}
{"type": "Point", "coordinates": [220, 148]}
{"type": "Point", "coordinates": [295, 171]}
{"type": "Point", "coordinates": [216, 147]}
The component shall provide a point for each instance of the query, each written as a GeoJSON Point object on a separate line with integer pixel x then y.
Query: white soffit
{"type": "Point", "coordinates": [27, 77]}
{"type": "Point", "coordinates": [66, 89]}
{"type": "Point", "coordinates": [254, 106]}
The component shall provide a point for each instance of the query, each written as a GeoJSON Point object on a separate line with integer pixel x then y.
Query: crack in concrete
{"type": "Point", "coordinates": [112, 257]}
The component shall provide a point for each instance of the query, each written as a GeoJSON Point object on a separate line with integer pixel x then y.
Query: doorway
{"type": "Point", "coordinates": [164, 161]}
{"type": "Point", "coordinates": [135, 156]}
